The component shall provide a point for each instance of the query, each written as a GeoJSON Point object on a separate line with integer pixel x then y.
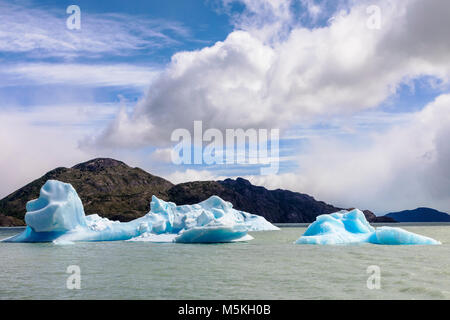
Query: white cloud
{"type": "Point", "coordinates": [402, 168]}
{"type": "Point", "coordinates": [251, 81]}
{"type": "Point", "coordinates": [86, 75]}
{"type": "Point", "coordinates": [37, 139]}
{"type": "Point", "coordinates": [314, 10]}
{"type": "Point", "coordinates": [163, 155]}
{"type": "Point", "coordinates": [266, 19]}
{"type": "Point", "coordinates": [192, 175]}
{"type": "Point", "coordinates": [43, 32]}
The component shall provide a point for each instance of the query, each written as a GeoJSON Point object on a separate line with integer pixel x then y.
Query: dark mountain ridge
{"type": "Point", "coordinates": [280, 206]}
{"type": "Point", "coordinates": [116, 191]}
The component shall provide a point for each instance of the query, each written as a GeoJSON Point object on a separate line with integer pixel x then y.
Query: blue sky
{"type": "Point", "coordinates": [199, 23]}
{"type": "Point", "coordinates": [351, 102]}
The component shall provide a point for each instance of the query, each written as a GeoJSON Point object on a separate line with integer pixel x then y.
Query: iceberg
{"type": "Point", "coordinates": [348, 227]}
{"type": "Point", "coordinates": [58, 216]}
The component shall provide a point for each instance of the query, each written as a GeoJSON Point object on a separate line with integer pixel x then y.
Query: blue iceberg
{"type": "Point", "coordinates": [347, 227]}
{"type": "Point", "coordinates": [58, 216]}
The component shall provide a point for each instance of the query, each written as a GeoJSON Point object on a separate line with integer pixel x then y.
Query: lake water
{"type": "Point", "coordinates": [269, 267]}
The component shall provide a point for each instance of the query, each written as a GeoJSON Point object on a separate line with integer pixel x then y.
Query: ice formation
{"type": "Point", "coordinates": [346, 227]}
{"type": "Point", "coordinates": [58, 216]}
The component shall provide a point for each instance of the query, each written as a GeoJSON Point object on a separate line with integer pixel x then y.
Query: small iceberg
{"type": "Point", "coordinates": [348, 227]}
{"type": "Point", "coordinates": [58, 216]}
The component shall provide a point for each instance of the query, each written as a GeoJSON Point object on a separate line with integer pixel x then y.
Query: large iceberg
{"type": "Point", "coordinates": [346, 227]}
{"type": "Point", "coordinates": [58, 216]}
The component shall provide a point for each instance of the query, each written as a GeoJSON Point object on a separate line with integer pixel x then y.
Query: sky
{"type": "Point", "coordinates": [358, 90]}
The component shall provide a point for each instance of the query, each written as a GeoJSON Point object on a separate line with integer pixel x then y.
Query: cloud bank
{"type": "Point", "coordinates": [404, 167]}
{"type": "Point", "coordinates": [292, 74]}
{"type": "Point", "coordinates": [281, 74]}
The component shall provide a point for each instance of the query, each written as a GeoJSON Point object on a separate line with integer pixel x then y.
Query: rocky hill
{"type": "Point", "coordinates": [116, 191]}
{"type": "Point", "coordinates": [106, 186]}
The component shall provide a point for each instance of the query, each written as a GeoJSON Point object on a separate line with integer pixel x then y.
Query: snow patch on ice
{"type": "Point", "coordinates": [156, 238]}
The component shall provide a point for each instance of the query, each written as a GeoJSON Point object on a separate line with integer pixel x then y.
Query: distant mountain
{"type": "Point", "coordinates": [419, 215]}
{"type": "Point", "coordinates": [116, 191]}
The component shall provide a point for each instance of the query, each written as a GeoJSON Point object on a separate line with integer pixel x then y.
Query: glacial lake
{"type": "Point", "coordinates": [268, 267]}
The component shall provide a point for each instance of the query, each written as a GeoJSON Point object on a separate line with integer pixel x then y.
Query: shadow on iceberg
{"type": "Point", "coordinates": [347, 227]}
{"type": "Point", "coordinates": [58, 216]}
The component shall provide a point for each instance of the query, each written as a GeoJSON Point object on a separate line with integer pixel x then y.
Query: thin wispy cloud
{"type": "Point", "coordinates": [78, 74]}
{"type": "Point", "coordinates": [42, 32]}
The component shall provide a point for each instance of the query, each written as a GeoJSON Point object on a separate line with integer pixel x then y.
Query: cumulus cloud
{"type": "Point", "coordinates": [250, 80]}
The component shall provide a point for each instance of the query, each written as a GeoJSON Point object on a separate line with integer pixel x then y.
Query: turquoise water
{"type": "Point", "coordinates": [269, 267]}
